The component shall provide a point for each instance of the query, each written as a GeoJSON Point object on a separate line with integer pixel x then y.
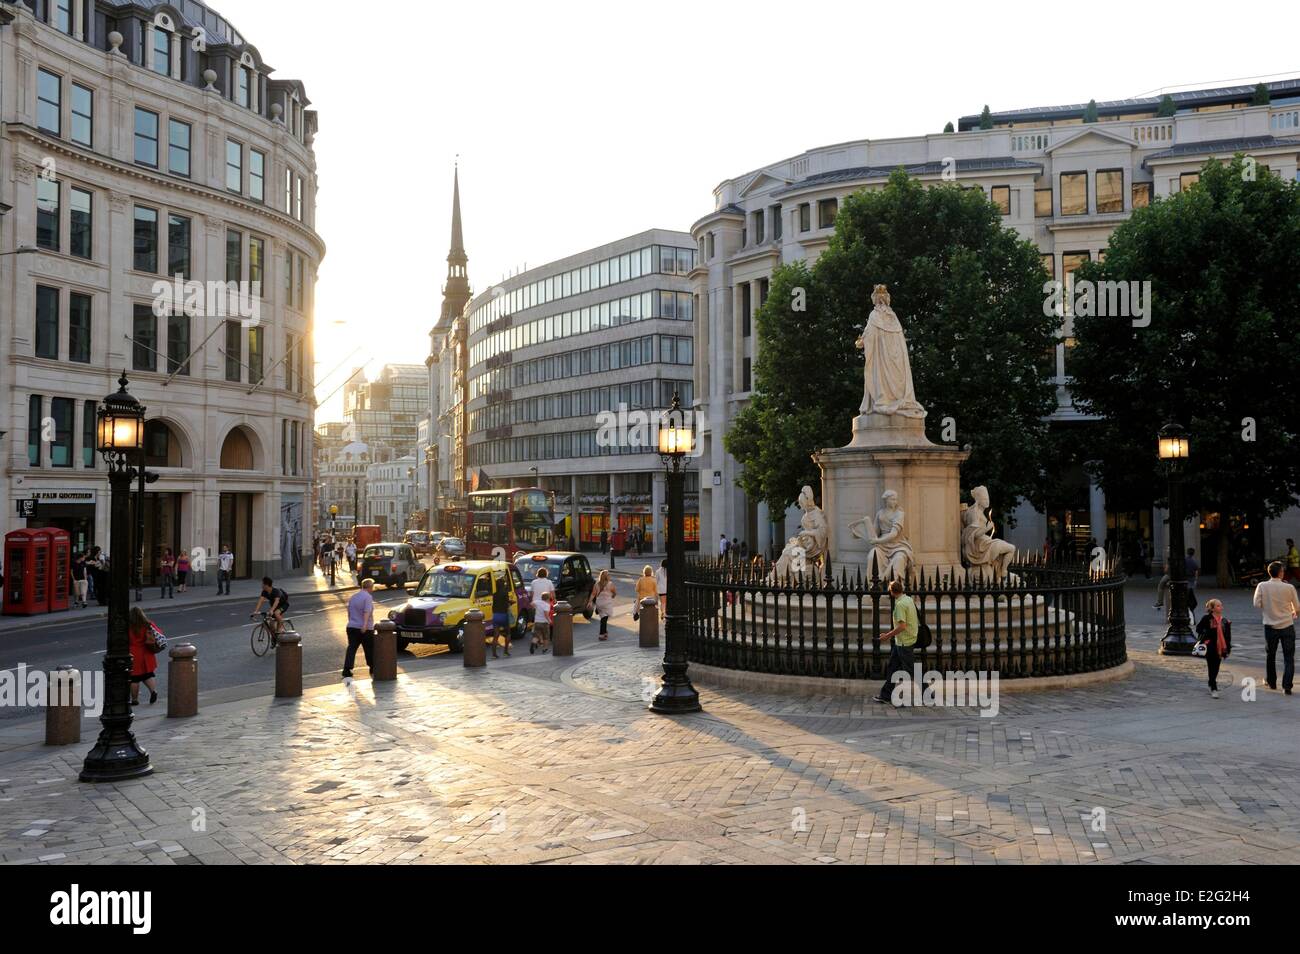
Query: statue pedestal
{"type": "Point", "coordinates": [891, 452]}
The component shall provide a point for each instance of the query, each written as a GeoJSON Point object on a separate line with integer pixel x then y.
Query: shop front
{"type": "Point", "coordinates": [162, 531]}
{"type": "Point", "coordinates": [72, 511]}
{"type": "Point", "coordinates": [235, 528]}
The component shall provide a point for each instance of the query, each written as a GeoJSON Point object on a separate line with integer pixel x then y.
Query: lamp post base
{"type": "Point", "coordinates": [1177, 643]}
{"type": "Point", "coordinates": [676, 698]}
{"type": "Point", "coordinates": [116, 761]}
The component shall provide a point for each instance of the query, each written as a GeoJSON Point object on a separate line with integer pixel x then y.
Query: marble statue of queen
{"type": "Point", "coordinates": [888, 387]}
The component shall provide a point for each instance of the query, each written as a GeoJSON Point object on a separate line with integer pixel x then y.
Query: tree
{"type": "Point", "coordinates": [1167, 107]}
{"type": "Point", "coordinates": [1090, 112]}
{"type": "Point", "coordinates": [1260, 97]}
{"type": "Point", "coordinates": [947, 127]}
{"type": "Point", "coordinates": [986, 118]}
{"type": "Point", "coordinates": [970, 296]}
{"type": "Point", "coordinates": [1217, 354]}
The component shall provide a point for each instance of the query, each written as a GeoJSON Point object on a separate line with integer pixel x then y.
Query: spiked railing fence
{"type": "Point", "coordinates": [1057, 619]}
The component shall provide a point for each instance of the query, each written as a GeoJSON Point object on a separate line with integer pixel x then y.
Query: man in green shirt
{"type": "Point", "coordinates": [903, 637]}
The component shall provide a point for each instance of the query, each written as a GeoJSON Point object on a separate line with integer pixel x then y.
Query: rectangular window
{"type": "Point", "coordinates": [1074, 193]}
{"type": "Point", "coordinates": [49, 102]}
{"type": "Point", "coordinates": [759, 230]}
{"type": "Point", "coordinates": [178, 344]}
{"type": "Point", "coordinates": [241, 86]}
{"type": "Point", "coordinates": [234, 166]}
{"type": "Point", "coordinates": [778, 223]}
{"type": "Point", "coordinates": [34, 428]}
{"type": "Point", "coordinates": [1141, 195]}
{"type": "Point", "coordinates": [178, 148]}
{"type": "Point", "coordinates": [47, 213]}
{"type": "Point", "coordinates": [254, 355]}
{"type": "Point", "coordinates": [83, 116]}
{"type": "Point", "coordinates": [1001, 196]}
{"type": "Point", "coordinates": [80, 221]}
{"type": "Point", "coordinates": [144, 335]}
{"type": "Point", "coordinates": [1043, 203]}
{"type": "Point", "coordinates": [297, 198]}
{"type": "Point", "coordinates": [162, 52]}
{"type": "Point", "coordinates": [178, 246]}
{"type": "Point", "coordinates": [79, 328]}
{"type": "Point", "coordinates": [234, 351]}
{"type": "Point", "coordinates": [805, 217]}
{"type": "Point", "coordinates": [302, 281]}
{"type": "Point", "coordinates": [47, 322]}
{"type": "Point", "coordinates": [256, 263]}
{"type": "Point", "coordinates": [146, 239]}
{"type": "Point", "coordinates": [146, 138]}
{"type": "Point", "coordinates": [826, 211]}
{"type": "Point", "coordinates": [234, 256]}
{"type": "Point", "coordinates": [301, 352]}
{"type": "Point", "coordinates": [88, 435]}
{"type": "Point", "coordinates": [61, 410]}
{"type": "Point", "coordinates": [256, 175]}
{"type": "Point", "coordinates": [745, 376]}
{"type": "Point", "coordinates": [62, 10]}
{"type": "Point", "coordinates": [1187, 180]}
{"type": "Point", "coordinates": [288, 190]}
{"type": "Point", "coordinates": [1110, 190]}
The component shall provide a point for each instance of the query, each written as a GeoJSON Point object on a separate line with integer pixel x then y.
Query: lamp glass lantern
{"type": "Point", "coordinates": [1173, 444]}
{"type": "Point", "coordinates": [676, 440]}
{"type": "Point", "coordinates": [120, 425]}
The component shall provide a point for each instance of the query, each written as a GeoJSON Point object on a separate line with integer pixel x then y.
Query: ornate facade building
{"type": "Point", "coordinates": [158, 194]}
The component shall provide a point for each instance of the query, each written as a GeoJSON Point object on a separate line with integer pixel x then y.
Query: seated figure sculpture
{"type": "Point", "coordinates": [891, 553]}
{"type": "Point", "coordinates": [807, 548]}
{"type": "Point", "coordinates": [984, 553]}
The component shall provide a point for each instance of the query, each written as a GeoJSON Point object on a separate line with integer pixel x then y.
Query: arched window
{"type": "Point", "coordinates": [237, 451]}
{"type": "Point", "coordinates": [162, 448]}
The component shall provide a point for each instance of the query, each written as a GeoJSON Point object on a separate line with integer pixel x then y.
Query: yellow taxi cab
{"type": "Point", "coordinates": [436, 613]}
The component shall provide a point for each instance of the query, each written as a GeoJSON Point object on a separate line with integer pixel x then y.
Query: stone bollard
{"type": "Point", "coordinates": [383, 667]}
{"type": "Point", "coordinates": [182, 681]}
{"type": "Point", "coordinates": [473, 645]}
{"type": "Point", "coordinates": [63, 708]}
{"type": "Point", "coordinates": [562, 630]}
{"type": "Point", "coordinates": [288, 666]}
{"type": "Point", "coordinates": [649, 623]}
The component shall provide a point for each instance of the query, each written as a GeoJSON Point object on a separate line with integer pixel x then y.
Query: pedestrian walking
{"type": "Point", "coordinates": [604, 541]}
{"type": "Point", "coordinates": [77, 573]}
{"type": "Point", "coordinates": [646, 588]}
{"type": "Point", "coordinates": [182, 570]}
{"type": "Point", "coordinates": [661, 584]}
{"type": "Point", "coordinates": [167, 570]}
{"type": "Point", "coordinates": [500, 611]}
{"type": "Point", "coordinates": [327, 564]}
{"type": "Point", "coordinates": [723, 545]}
{"type": "Point", "coordinates": [1292, 562]}
{"type": "Point", "coordinates": [1214, 631]}
{"type": "Point", "coordinates": [901, 638]}
{"type": "Point", "coordinates": [543, 592]}
{"type": "Point", "coordinates": [350, 551]}
{"type": "Point", "coordinates": [361, 627]}
{"type": "Point", "coordinates": [96, 570]}
{"type": "Point", "coordinates": [225, 566]}
{"type": "Point", "coordinates": [602, 595]}
{"type": "Point", "coordinates": [1162, 588]}
{"type": "Point", "coordinates": [1276, 599]}
{"type": "Point", "coordinates": [144, 655]}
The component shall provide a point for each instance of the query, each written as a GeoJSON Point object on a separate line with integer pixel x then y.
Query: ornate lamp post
{"type": "Point", "coordinates": [1174, 448]}
{"type": "Point", "coordinates": [119, 437]}
{"type": "Point", "coordinates": [676, 694]}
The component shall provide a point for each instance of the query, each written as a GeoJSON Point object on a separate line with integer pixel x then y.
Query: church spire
{"type": "Point", "coordinates": [456, 256]}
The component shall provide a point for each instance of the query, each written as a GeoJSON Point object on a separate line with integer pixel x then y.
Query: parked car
{"type": "Point", "coordinates": [392, 564]}
{"type": "Point", "coordinates": [418, 541]}
{"type": "Point", "coordinates": [436, 613]}
{"type": "Point", "coordinates": [568, 571]}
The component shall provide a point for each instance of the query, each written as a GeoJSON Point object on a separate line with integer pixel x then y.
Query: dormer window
{"type": "Point", "coordinates": [241, 87]}
{"type": "Point", "coordinates": [162, 52]}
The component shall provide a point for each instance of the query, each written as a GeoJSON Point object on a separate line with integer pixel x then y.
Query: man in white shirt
{"type": "Point", "coordinates": [225, 566]}
{"type": "Point", "coordinates": [543, 593]}
{"type": "Point", "coordinates": [1277, 600]}
{"type": "Point", "coordinates": [361, 626]}
{"type": "Point", "coordinates": [723, 546]}
{"type": "Point", "coordinates": [351, 551]}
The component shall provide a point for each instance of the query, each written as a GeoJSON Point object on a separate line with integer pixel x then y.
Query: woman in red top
{"type": "Point", "coordinates": [144, 661]}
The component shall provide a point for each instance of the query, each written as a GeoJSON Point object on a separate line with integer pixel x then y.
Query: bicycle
{"type": "Point", "coordinates": [264, 638]}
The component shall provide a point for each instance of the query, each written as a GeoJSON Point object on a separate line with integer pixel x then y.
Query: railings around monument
{"type": "Point", "coordinates": [1051, 619]}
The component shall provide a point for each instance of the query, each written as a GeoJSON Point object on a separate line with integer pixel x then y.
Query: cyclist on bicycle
{"type": "Point", "coordinates": [279, 604]}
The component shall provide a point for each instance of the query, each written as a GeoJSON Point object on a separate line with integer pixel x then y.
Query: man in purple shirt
{"type": "Point", "coordinates": [361, 626]}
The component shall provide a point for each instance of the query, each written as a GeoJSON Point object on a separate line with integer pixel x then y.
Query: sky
{"type": "Point", "coordinates": [578, 123]}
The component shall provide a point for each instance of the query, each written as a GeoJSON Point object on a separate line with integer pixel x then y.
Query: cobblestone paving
{"type": "Point", "coordinates": [545, 760]}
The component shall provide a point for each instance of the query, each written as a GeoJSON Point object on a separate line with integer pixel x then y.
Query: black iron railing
{"type": "Point", "coordinates": [1055, 619]}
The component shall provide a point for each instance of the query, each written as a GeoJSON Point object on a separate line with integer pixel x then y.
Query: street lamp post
{"type": "Point", "coordinates": [1174, 448]}
{"type": "Point", "coordinates": [676, 694]}
{"type": "Point", "coordinates": [119, 438]}
{"type": "Point", "coordinates": [431, 461]}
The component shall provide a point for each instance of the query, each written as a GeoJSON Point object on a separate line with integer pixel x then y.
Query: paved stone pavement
{"type": "Point", "coordinates": [543, 760]}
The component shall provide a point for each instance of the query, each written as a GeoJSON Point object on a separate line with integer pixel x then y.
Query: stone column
{"type": "Point", "coordinates": [1097, 511]}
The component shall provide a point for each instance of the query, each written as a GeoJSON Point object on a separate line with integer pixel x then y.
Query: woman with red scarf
{"type": "Point", "coordinates": [1215, 630]}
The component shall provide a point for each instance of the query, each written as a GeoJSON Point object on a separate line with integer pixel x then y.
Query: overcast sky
{"type": "Point", "coordinates": [578, 123]}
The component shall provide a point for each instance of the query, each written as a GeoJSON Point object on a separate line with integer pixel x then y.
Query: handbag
{"type": "Point", "coordinates": [923, 637]}
{"type": "Point", "coordinates": [157, 642]}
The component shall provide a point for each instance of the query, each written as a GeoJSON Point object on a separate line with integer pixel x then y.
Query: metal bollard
{"type": "Point", "coordinates": [562, 630]}
{"type": "Point", "coordinates": [288, 666]}
{"type": "Point", "coordinates": [473, 646]}
{"type": "Point", "coordinates": [63, 708]}
{"type": "Point", "coordinates": [182, 681]}
{"type": "Point", "coordinates": [649, 623]}
{"type": "Point", "coordinates": [383, 667]}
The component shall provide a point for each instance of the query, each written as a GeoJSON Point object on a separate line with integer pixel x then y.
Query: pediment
{"type": "Point", "coordinates": [1090, 138]}
{"type": "Point", "coordinates": [763, 182]}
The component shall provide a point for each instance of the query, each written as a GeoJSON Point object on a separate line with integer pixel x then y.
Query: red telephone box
{"type": "Point", "coordinates": [27, 572]}
{"type": "Point", "coordinates": [60, 569]}
{"type": "Point", "coordinates": [618, 542]}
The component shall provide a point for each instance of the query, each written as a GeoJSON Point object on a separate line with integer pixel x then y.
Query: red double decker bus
{"type": "Point", "coordinates": [501, 524]}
